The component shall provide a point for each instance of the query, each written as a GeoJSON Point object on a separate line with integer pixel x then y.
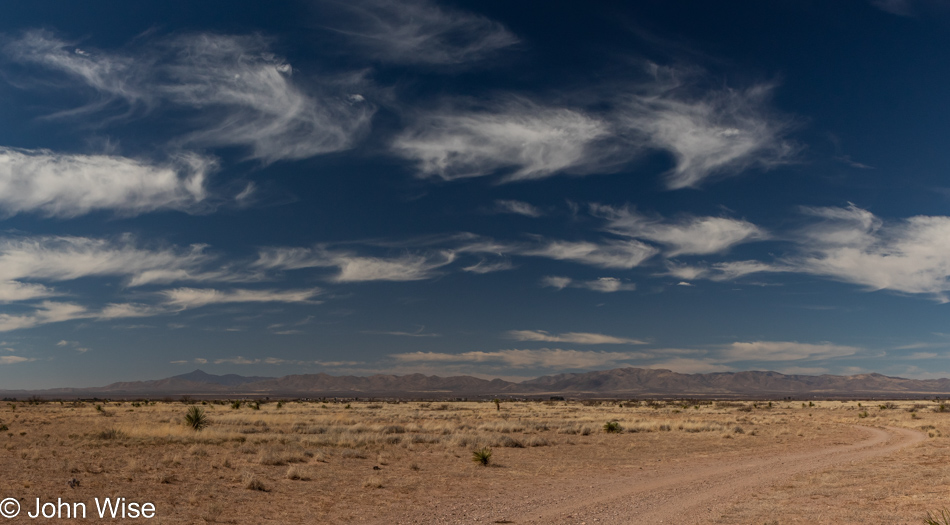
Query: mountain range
{"type": "Point", "coordinates": [619, 382]}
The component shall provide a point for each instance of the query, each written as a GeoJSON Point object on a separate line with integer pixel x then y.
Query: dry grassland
{"type": "Point", "coordinates": [307, 462]}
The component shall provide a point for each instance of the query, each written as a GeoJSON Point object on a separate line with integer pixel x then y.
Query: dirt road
{"type": "Point", "coordinates": [694, 493]}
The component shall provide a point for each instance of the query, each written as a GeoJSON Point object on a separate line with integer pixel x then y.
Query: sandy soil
{"type": "Point", "coordinates": [677, 462]}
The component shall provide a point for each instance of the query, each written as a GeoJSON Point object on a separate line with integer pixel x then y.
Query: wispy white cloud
{"type": "Point", "coordinates": [725, 271]}
{"type": "Point", "coordinates": [63, 258]}
{"type": "Point", "coordinates": [923, 355]}
{"type": "Point", "coordinates": [517, 136]}
{"type": "Point", "coordinates": [784, 351]}
{"type": "Point", "coordinates": [687, 236]}
{"type": "Point", "coordinates": [356, 268]}
{"type": "Point", "coordinates": [601, 284]}
{"type": "Point", "coordinates": [606, 285]}
{"type": "Point", "coordinates": [254, 103]}
{"type": "Point", "coordinates": [240, 93]}
{"type": "Point", "coordinates": [422, 32]}
{"type": "Point", "coordinates": [197, 297]}
{"type": "Point", "coordinates": [518, 208]}
{"type": "Point", "coordinates": [14, 359]}
{"type": "Point", "coordinates": [60, 185]}
{"type": "Point", "coordinates": [47, 312]}
{"type": "Point", "coordinates": [241, 360]}
{"type": "Point", "coordinates": [584, 338]}
{"type": "Point", "coordinates": [708, 132]}
{"type": "Point", "coordinates": [14, 291]}
{"type": "Point", "coordinates": [895, 7]}
{"type": "Point", "coordinates": [623, 254]}
{"type": "Point", "coordinates": [56, 312]}
{"type": "Point", "coordinates": [541, 358]}
{"type": "Point", "coordinates": [691, 365]}
{"type": "Point", "coordinates": [75, 345]}
{"type": "Point", "coordinates": [485, 266]}
{"type": "Point", "coordinates": [418, 333]}
{"type": "Point", "coordinates": [555, 281]}
{"type": "Point", "coordinates": [125, 310]}
{"type": "Point", "coordinates": [852, 245]}
{"type": "Point", "coordinates": [607, 253]}
{"type": "Point", "coordinates": [115, 76]}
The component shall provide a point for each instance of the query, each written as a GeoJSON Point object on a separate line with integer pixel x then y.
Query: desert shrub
{"type": "Point", "coordinates": [863, 414]}
{"type": "Point", "coordinates": [235, 405]}
{"type": "Point", "coordinates": [508, 441]}
{"type": "Point", "coordinates": [297, 473]}
{"type": "Point", "coordinates": [373, 482]}
{"type": "Point", "coordinates": [537, 442]}
{"type": "Point", "coordinates": [196, 418]}
{"type": "Point", "coordinates": [482, 456]}
{"type": "Point", "coordinates": [112, 433]}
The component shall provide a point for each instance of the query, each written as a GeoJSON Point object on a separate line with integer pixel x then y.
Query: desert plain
{"type": "Point", "coordinates": [550, 461]}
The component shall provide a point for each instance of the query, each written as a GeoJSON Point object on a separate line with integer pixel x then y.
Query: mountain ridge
{"type": "Point", "coordinates": [626, 382]}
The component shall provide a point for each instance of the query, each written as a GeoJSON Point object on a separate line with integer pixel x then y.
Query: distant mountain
{"type": "Point", "coordinates": [199, 376]}
{"type": "Point", "coordinates": [619, 382]}
{"type": "Point", "coordinates": [644, 381]}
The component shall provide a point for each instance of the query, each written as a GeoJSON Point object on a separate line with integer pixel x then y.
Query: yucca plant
{"type": "Point", "coordinates": [482, 456]}
{"type": "Point", "coordinates": [612, 426]}
{"type": "Point", "coordinates": [196, 418]}
{"type": "Point", "coordinates": [940, 519]}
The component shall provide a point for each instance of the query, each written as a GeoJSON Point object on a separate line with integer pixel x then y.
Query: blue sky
{"type": "Point", "coordinates": [489, 188]}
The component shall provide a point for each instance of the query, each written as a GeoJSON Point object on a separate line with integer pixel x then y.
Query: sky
{"type": "Point", "coordinates": [498, 189]}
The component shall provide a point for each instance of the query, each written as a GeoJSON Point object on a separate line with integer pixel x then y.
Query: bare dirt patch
{"type": "Point", "coordinates": [551, 462]}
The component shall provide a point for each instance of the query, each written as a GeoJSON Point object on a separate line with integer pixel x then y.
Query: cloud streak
{"type": "Point", "coordinates": [517, 137]}
{"type": "Point", "coordinates": [784, 351]}
{"type": "Point", "coordinates": [708, 133]}
{"type": "Point", "coordinates": [687, 236]}
{"type": "Point", "coordinates": [517, 208]}
{"type": "Point", "coordinates": [541, 358]}
{"type": "Point", "coordinates": [62, 185]}
{"type": "Point", "coordinates": [65, 258]}
{"type": "Point", "coordinates": [422, 32]}
{"type": "Point", "coordinates": [584, 338]}
{"type": "Point", "coordinates": [852, 245]}
{"type": "Point", "coordinates": [238, 91]}
{"type": "Point", "coordinates": [356, 268]}
{"type": "Point", "coordinates": [601, 284]}
{"type": "Point", "coordinates": [185, 298]}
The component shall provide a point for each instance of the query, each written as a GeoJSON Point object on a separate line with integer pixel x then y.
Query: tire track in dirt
{"type": "Point", "coordinates": [702, 494]}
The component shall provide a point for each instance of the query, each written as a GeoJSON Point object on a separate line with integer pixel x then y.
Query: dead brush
{"type": "Point", "coordinates": [281, 456]}
{"type": "Point", "coordinates": [297, 473]}
{"type": "Point", "coordinates": [251, 482]}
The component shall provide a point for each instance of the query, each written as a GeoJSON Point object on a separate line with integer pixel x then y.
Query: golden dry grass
{"type": "Point", "coordinates": [314, 462]}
